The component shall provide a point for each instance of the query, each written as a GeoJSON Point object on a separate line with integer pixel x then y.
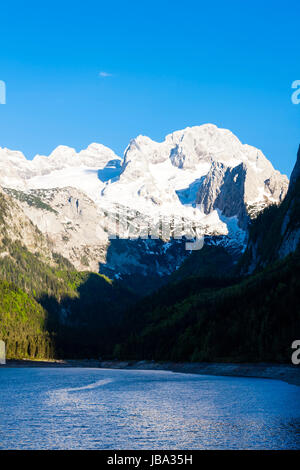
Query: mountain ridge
{"type": "Point", "coordinates": [214, 313]}
{"type": "Point", "coordinates": [200, 180]}
{"type": "Point", "coordinates": [203, 311]}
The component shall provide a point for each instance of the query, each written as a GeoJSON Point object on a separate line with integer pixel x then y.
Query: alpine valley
{"type": "Point", "coordinates": [99, 255]}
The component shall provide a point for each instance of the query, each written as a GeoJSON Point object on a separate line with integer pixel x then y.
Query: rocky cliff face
{"type": "Point", "coordinates": [235, 190]}
{"type": "Point", "coordinates": [295, 176]}
{"type": "Point", "coordinates": [290, 228]}
{"type": "Point", "coordinates": [15, 226]}
{"type": "Point", "coordinates": [223, 188]}
{"type": "Point", "coordinates": [276, 232]}
{"type": "Point", "coordinates": [70, 219]}
{"type": "Point", "coordinates": [201, 181]}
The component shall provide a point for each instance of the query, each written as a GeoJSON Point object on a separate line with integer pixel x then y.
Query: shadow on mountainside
{"type": "Point", "coordinates": [85, 325]}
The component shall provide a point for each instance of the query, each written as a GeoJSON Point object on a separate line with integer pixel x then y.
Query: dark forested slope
{"type": "Point", "coordinates": [211, 310]}
{"type": "Point", "coordinates": [253, 320]}
{"type": "Point", "coordinates": [213, 317]}
{"type": "Point", "coordinates": [47, 309]}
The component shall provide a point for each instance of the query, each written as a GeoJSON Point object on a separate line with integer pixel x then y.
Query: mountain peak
{"type": "Point", "coordinates": [12, 154]}
{"type": "Point", "coordinates": [96, 148]}
{"type": "Point", "coordinates": [62, 151]}
{"type": "Point", "coordinates": [199, 164]}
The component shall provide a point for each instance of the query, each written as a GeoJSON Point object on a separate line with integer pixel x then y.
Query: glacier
{"type": "Point", "coordinates": [202, 174]}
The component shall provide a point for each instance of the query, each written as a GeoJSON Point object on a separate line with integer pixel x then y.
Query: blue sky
{"type": "Point", "coordinates": [167, 65]}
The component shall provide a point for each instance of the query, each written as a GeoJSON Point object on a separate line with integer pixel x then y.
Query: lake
{"type": "Point", "coordinates": [79, 408]}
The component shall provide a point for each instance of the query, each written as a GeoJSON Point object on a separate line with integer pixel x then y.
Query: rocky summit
{"type": "Point", "coordinates": [202, 176]}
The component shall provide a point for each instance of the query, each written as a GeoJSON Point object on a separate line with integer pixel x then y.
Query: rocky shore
{"type": "Point", "coordinates": [287, 373]}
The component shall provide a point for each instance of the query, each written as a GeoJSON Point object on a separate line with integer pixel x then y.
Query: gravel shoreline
{"type": "Point", "coordinates": [286, 372]}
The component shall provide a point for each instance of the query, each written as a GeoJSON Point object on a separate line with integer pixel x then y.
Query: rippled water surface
{"type": "Point", "coordinates": [119, 409]}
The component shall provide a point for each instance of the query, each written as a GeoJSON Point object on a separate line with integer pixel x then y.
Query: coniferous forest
{"type": "Point", "coordinates": [211, 309]}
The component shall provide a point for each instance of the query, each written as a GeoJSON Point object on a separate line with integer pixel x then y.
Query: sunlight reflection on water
{"type": "Point", "coordinates": [113, 409]}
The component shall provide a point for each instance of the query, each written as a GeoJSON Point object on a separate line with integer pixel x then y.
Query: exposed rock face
{"type": "Point", "coordinates": [16, 226]}
{"type": "Point", "coordinates": [232, 189]}
{"type": "Point", "coordinates": [223, 189]}
{"type": "Point", "coordinates": [70, 220]}
{"type": "Point", "coordinates": [276, 186]}
{"type": "Point", "coordinates": [290, 229]}
{"type": "Point", "coordinates": [276, 233]}
{"type": "Point", "coordinates": [162, 181]}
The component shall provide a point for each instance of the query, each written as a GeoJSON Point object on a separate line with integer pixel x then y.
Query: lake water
{"type": "Point", "coordinates": [63, 408]}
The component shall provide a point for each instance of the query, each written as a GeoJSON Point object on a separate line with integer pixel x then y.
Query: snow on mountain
{"type": "Point", "coordinates": [201, 165]}
{"type": "Point", "coordinates": [63, 167]}
{"type": "Point", "coordinates": [14, 168]}
{"type": "Point", "coordinates": [94, 156]}
{"type": "Point", "coordinates": [202, 174]}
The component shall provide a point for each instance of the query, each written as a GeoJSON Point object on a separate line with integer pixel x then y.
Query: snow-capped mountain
{"type": "Point", "coordinates": [64, 167]}
{"type": "Point", "coordinates": [200, 165]}
{"type": "Point", "coordinates": [202, 175]}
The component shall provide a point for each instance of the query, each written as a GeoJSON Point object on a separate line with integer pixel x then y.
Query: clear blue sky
{"type": "Point", "coordinates": [169, 64]}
